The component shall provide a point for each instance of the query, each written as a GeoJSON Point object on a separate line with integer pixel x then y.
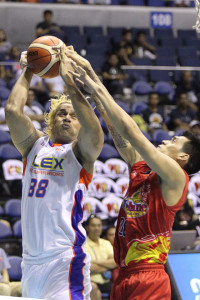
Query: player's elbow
{"type": "Point", "coordinates": [11, 111]}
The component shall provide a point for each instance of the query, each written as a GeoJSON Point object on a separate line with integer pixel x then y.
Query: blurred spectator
{"type": "Point", "coordinates": [3, 125]}
{"type": "Point", "coordinates": [33, 111]}
{"type": "Point", "coordinates": [109, 234]}
{"type": "Point", "coordinates": [182, 3]}
{"type": "Point", "coordinates": [123, 57]}
{"type": "Point", "coordinates": [185, 218]}
{"type": "Point", "coordinates": [195, 127]}
{"type": "Point", "coordinates": [48, 27]}
{"type": "Point", "coordinates": [182, 115]}
{"type": "Point", "coordinates": [153, 115]}
{"type": "Point", "coordinates": [102, 261]}
{"type": "Point", "coordinates": [55, 86]}
{"type": "Point", "coordinates": [14, 57]}
{"type": "Point", "coordinates": [114, 78]}
{"type": "Point", "coordinates": [7, 288]}
{"type": "Point", "coordinates": [189, 86]}
{"type": "Point", "coordinates": [142, 48]}
{"type": "Point", "coordinates": [127, 42]}
{"type": "Point", "coordinates": [5, 45]}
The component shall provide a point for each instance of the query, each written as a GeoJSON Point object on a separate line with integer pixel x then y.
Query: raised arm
{"type": "Point", "coordinates": [90, 139]}
{"type": "Point", "coordinates": [167, 168]}
{"type": "Point", "coordinates": [126, 151]}
{"type": "Point", "coordinates": [22, 130]}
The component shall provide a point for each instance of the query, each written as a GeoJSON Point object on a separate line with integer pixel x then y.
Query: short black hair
{"type": "Point", "coordinates": [192, 147]}
{"type": "Point", "coordinates": [91, 217]}
{"type": "Point", "coordinates": [125, 31]}
{"type": "Point", "coordinates": [48, 11]}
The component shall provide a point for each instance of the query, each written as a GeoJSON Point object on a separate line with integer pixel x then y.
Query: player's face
{"type": "Point", "coordinates": [95, 228]}
{"type": "Point", "coordinates": [173, 147]}
{"type": "Point", "coordinates": [66, 125]}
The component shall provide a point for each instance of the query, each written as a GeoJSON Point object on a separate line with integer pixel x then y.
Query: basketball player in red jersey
{"type": "Point", "coordinates": [157, 190]}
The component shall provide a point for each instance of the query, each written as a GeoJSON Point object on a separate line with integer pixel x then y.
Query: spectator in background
{"type": "Point", "coordinates": [33, 111]}
{"type": "Point", "coordinates": [114, 78]}
{"type": "Point", "coordinates": [153, 115]}
{"type": "Point", "coordinates": [127, 42]}
{"type": "Point", "coordinates": [101, 252]}
{"type": "Point", "coordinates": [123, 56]}
{"type": "Point", "coordinates": [183, 114]}
{"type": "Point", "coordinates": [12, 70]}
{"type": "Point", "coordinates": [109, 234]}
{"type": "Point", "coordinates": [7, 288]}
{"type": "Point", "coordinates": [195, 127]}
{"type": "Point", "coordinates": [55, 86]}
{"type": "Point", "coordinates": [3, 125]}
{"type": "Point", "coordinates": [182, 3]}
{"type": "Point", "coordinates": [5, 45]}
{"type": "Point", "coordinates": [189, 86]}
{"type": "Point", "coordinates": [48, 27]}
{"type": "Point", "coordinates": [142, 48]}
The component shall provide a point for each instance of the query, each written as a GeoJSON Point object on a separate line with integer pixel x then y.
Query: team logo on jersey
{"type": "Point", "coordinates": [48, 163]}
{"type": "Point", "coordinates": [135, 206]}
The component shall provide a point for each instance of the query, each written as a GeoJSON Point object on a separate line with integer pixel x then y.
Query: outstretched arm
{"type": "Point", "coordinates": [22, 130]}
{"type": "Point", "coordinates": [125, 149]}
{"type": "Point", "coordinates": [90, 139]}
{"type": "Point", "coordinates": [167, 168]}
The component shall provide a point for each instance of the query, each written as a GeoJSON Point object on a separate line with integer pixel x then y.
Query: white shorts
{"type": "Point", "coordinates": [63, 278]}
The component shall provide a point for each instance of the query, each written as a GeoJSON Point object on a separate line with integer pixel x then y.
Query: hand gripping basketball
{"type": "Point", "coordinates": [23, 60]}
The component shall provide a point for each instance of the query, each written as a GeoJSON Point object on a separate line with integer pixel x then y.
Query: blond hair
{"type": "Point", "coordinates": [49, 117]}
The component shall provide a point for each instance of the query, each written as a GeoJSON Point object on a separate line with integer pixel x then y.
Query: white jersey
{"type": "Point", "coordinates": [54, 185]}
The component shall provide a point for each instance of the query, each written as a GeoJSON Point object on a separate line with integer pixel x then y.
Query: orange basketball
{"type": "Point", "coordinates": [42, 59]}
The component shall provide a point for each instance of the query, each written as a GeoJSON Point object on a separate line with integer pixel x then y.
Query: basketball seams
{"type": "Point", "coordinates": [42, 59]}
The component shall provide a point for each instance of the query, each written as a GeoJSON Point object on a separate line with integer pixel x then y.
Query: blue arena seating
{"type": "Point", "coordinates": [15, 272]}
{"type": "Point", "coordinates": [159, 135]}
{"type": "Point", "coordinates": [17, 229]}
{"type": "Point", "coordinates": [4, 137]}
{"type": "Point", "coordinates": [142, 88]}
{"type": "Point", "coordinates": [13, 208]}
{"type": "Point", "coordinates": [5, 231]}
{"type": "Point", "coordinates": [8, 151]}
{"type": "Point", "coordinates": [108, 151]}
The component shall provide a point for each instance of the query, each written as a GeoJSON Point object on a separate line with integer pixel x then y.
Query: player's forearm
{"type": "Point", "coordinates": [19, 93]}
{"type": "Point", "coordinates": [5, 276]}
{"type": "Point", "coordinates": [122, 145]}
{"type": "Point", "coordinates": [123, 123]}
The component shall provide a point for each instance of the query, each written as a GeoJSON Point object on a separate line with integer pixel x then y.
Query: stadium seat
{"type": "Point", "coordinates": [91, 205]}
{"type": "Point", "coordinates": [5, 231]}
{"type": "Point", "coordinates": [163, 33]}
{"type": "Point", "coordinates": [163, 88]}
{"type": "Point", "coordinates": [4, 137]}
{"type": "Point", "coordinates": [165, 51]}
{"type": "Point", "coordinates": [159, 3]}
{"type": "Point", "coordinates": [93, 30]}
{"type": "Point", "coordinates": [159, 135]}
{"type": "Point", "coordinates": [95, 49]}
{"type": "Point", "coordinates": [98, 168]}
{"type": "Point", "coordinates": [101, 187]}
{"type": "Point", "coordinates": [4, 94]}
{"type": "Point", "coordinates": [145, 61]}
{"type": "Point", "coordinates": [8, 151]}
{"type": "Point", "coordinates": [186, 33]}
{"type": "Point", "coordinates": [15, 272]}
{"type": "Point", "coordinates": [100, 40]}
{"type": "Point", "coordinates": [13, 208]}
{"type": "Point", "coordinates": [187, 52]}
{"type": "Point", "coordinates": [121, 186]}
{"type": "Point", "coordinates": [107, 152]}
{"type": "Point", "coordinates": [96, 61]}
{"type": "Point", "coordinates": [190, 61]}
{"type": "Point", "coordinates": [158, 75]}
{"type": "Point", "coordinates": [112, 204]}
{"type": "Point", "coordinates": [71, 30]}
{"type": "Point", "coordinates": [135, 2]}
{"type": "Point", "coordinates": [166, 61]}
{"type": "Point", "coordinates": [114, 31]}
{"type": "Point", "coordinates": [138, 107]}
{"type": "Point", "coordinates": [141, 88]}
{"type": "Point", "coordinates": [171, 42]}
{"type": "Point", "coordinates": [115, 168]}
{"type": "Point", "coordinates": [17, 229]}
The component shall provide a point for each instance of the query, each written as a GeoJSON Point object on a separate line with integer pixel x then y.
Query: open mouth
{"type": "Point", "coordinates": [65, 126]}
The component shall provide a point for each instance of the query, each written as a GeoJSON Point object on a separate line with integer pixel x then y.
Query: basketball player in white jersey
{"type": "Point", "coordinates": [58, 167]}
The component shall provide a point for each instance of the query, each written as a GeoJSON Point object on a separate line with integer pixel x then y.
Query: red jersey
{"type": "Point", "coordinates": [145, 221]}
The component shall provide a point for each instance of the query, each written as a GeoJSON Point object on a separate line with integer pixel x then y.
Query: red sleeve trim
{"type": "Point", "coordinates": [24, 166]}
{"type": "Point", "coordinates": [85, 177]}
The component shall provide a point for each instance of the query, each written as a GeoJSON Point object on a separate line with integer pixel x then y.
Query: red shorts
{"type": "Point", "coordinates": [146, 282]}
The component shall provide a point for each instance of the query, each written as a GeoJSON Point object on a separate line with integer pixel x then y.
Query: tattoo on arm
{"type": "Point", "coordinates": [118, 139]}
{"type": "Point", "coordinates": [28, 142]}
